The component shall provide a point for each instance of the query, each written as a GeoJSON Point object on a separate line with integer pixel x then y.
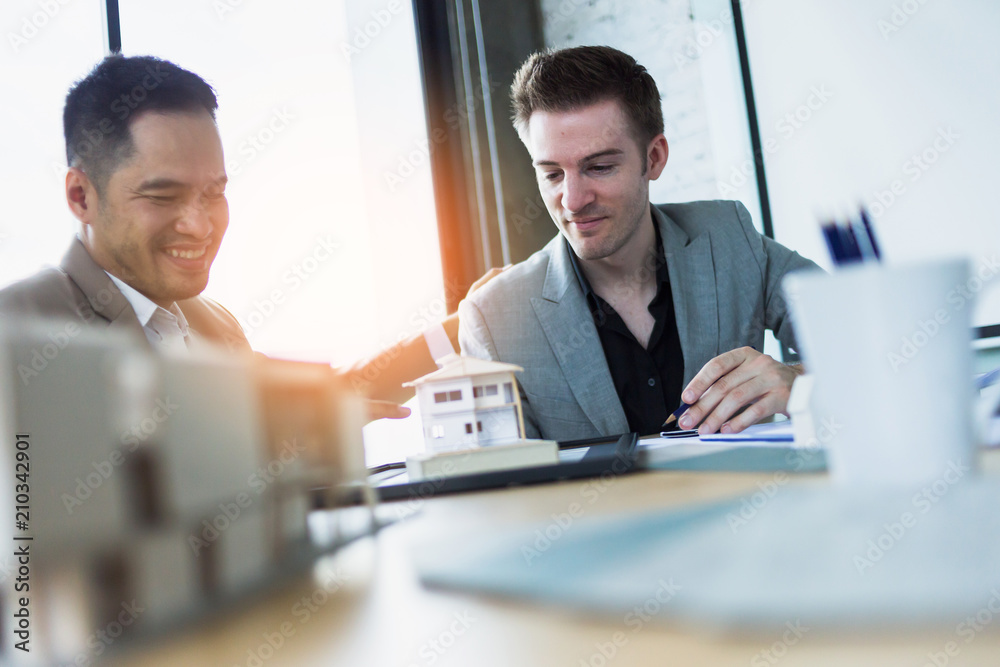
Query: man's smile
{"type": "Point", "coordinates": [586, 224]}
{"type": "Point", "coordinates": [188, 257]}
{"type": "Point", "coordinates": [186, 254]}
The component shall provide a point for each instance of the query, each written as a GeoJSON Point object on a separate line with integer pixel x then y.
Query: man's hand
{"type": "Point", "coordinates": [450, 323]}
{"type": "Point", "coordinates": [384, 410]}
{"type": "Point", "coordinates": [741, 378]}
{"type": "Point", "coordinates": [485, 278]}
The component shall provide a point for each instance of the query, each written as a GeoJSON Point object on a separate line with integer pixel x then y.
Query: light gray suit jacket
{"type": "Point", "coordinates": [79, 291]}
{"type": "Point", "coordinates": [726, 283]}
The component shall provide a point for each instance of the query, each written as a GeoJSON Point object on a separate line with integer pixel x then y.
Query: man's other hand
{"type": "Point", "coordinates": [384, 410]}
{"type": "Point", "coordinates": [485, 278]}
{"type": "Point", "coordinates": [450, 323]}
{"type": "Point", "coordinates": [739, 379]}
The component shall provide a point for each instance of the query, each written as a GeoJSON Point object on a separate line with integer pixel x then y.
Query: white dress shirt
{"type": "Point", "coordinates": [166, 329]}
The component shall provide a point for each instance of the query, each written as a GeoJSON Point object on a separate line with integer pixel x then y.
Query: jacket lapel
{"type": "Point", "coordinates": [101, 292]}
{"type": "Point", "coordinates": [692, 283]}
{"type": "Point", "coordinates": [569, 327]}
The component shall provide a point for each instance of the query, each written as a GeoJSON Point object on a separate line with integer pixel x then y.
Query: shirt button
{"type": "Point", "coordinates": [652, 382]}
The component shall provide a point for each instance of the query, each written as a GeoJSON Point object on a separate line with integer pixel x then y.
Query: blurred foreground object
{"type": "Point", "coordinates": [156, 489]}
{"type": "Point", "coordinates": [891, 349]}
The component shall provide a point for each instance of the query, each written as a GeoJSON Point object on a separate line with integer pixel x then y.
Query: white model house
{"type": "Point", "coordinates": [468, 403]}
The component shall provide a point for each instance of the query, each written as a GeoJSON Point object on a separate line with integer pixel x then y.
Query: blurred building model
{"type": "Point", "coordinates": [159, 489]}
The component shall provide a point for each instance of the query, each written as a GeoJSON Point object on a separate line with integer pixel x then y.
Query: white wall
{"type": "Point", "coordinates": [911, 104]}
{"type": "Point", "coordinates": [888, 102]}
{"type": "Point", "coordinates": [689, 48]}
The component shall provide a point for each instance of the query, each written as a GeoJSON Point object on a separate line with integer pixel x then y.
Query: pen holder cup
{"type": "Point", "coordinates": [890, 347]}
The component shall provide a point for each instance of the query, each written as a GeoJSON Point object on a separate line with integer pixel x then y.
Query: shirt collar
{"type": "Point", "coordinates": [144, 308]}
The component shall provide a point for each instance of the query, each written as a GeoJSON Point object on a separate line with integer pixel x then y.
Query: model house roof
{"type": "Point", "coordinates": [455, 366]}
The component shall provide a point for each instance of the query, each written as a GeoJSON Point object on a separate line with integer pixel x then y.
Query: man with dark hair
{"type": "Point", "coordinates": [97, 110]}
{"type": "Point", "coordinates": [147, 182]}
{"type": "Point", "coordinates": [579, 77]}
{"type": "Point", "coordinates": [632, 308]}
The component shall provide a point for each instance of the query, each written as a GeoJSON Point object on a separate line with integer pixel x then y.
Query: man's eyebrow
{"type": "Point", "coordinates": [605, 153]}
{"type": "Point", "coordinates": [589, 158]}
{"type": "Point", "coordinates": [159, 184]}
{"type": "Point", "coordinates": [169, 184]}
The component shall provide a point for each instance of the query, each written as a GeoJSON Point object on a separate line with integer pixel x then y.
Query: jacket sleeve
{"type": "Point", "coordinates": [775, 262]}
{"type": "Point", "coordinates": [476, 340]}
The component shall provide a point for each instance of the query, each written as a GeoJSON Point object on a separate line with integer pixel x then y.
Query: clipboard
{"type": "Point", "coordinates": [617, 455]}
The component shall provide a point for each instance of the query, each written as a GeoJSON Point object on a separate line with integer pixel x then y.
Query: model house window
{"type": "Point", "coordinates": [487, 390]}
{"type": "Point", "coordinates": [479, 426]}
{"type": "Point", "coordinates": [445, 396]}
{"type": "Point", "coordinates": [468, 428]}
{"type": "Point", "coordinates": [508, 390]}
{"type": "Point", "coordinates": [145, 471]}
{"type": "Point", "coordinates": [437, 431]}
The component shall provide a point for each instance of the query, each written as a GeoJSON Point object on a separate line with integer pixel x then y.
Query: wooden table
{"type": "Point", "coordinates": [368, 609]}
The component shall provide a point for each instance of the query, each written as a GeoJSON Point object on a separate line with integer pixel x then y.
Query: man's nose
{"type": "Point", "coordinates": [196, 220]}
{"type": "Point", "coordinates": [577, 193]}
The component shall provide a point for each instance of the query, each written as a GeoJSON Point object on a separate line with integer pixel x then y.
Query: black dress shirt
{"type": "Point", "coordinates": [648, 380]}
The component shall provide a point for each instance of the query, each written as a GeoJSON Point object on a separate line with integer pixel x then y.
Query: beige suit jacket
{"type": "Point", "coordinates": [79, 291]}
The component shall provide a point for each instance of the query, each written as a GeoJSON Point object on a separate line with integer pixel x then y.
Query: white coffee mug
{"type": "Point", "coordinates": [890, 347]}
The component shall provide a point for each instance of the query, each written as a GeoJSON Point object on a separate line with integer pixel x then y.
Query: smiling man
{"type": "Point", "coordinates": [146, 181]}
{"type": "Point", "coordinates": [631, 306]}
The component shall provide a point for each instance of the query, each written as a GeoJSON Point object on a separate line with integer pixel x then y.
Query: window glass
{"type": "Point", "coordinates": [332, 250]}
{"type": "Point", "coordinates": [328, 257]}
{"type": "Point", "coordinates": [46, 47]}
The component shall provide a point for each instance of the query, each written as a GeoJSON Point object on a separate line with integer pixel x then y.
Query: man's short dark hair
{"type": "Point", "coordinates": [100, 107]}
{"type": "Point", "coordinates": [568, 79]}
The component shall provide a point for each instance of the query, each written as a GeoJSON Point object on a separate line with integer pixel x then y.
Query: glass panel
{"type": "Point", "coordinates": [47, 46]}
{"type": "Point", "coordinates": [454, 395]}
{"type": "Point", "coordinates": [319, 234]}
{"type": "Point", "coordinates": [441, 397]}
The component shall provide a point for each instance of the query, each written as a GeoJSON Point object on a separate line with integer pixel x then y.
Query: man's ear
{"type": "Point", "coordinates": [656, 156]}
{"type": "Point", "coordinates": [81, 195]}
